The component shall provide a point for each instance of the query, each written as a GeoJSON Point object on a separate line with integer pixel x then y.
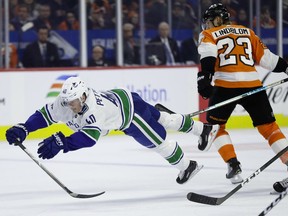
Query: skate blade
{"type": "Point", "coordinates": [198, 168]}
{"type": "Point", "coordinates": [236, 179]}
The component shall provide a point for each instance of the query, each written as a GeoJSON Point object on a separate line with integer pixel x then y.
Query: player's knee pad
{"type": "Point", "coordinates": [171, 121]}
{"type": "Point", "coordinates": [270, 132]}
{"type": "Point", "coordinates": [222, 138]}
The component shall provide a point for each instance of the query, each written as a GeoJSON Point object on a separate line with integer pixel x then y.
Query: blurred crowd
{"type": "Point", "coordinates": [63, 15]}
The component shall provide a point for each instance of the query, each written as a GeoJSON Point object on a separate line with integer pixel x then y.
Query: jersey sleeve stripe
{"type": "Point", "coordinates": [237, 76]}
{"type": "Point", "coordinates": [238, 84]}
{"type": "Point", "coordinates": [92, 132]}
{"type": "Point", "coordinates": [207, 50]}
{"type": "Point", "coordinates": [126, 107]}
{"type": "Point", "coordinates": [269, 60]}
{"type": "Point", "coordinates": [46, 114]}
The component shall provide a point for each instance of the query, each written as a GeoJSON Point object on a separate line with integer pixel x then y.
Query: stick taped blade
{"type": "Point", "coordinates": [194, 197]}
{"type": "Point", "coordinates": [85, 196]}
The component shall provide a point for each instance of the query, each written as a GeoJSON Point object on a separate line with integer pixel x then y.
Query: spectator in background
{"type": "Point", "coordinates": [131, 13]}
{"type": "Point", "coordinates": [98, 57]}
{"type": "Point", "coordinates": [31, 4]}
{"type": "Point", "coordinates": [22, 18]}
{"type": "Point", "coordinates": [180, 20]}
{"type": "Point", "coordinates": [133, 18]}
{"type": "Point", "coordinates": [189, 10]}
{"type": "Point", "coordinates": [188, 49]}
{"type": "Point", "coordinates": [41, 53]}
{"type": "Point", "coordinates": [170, 45]}
{"type": "Point", "coordinates": [13, 55]}
{"type": "Point", "coordinates": [44, 17]}
{"type": "Point", "coordinates": [70, 22]}
{"type": "Point", "coordinates": [58, 10]}
{"type": "Point", "coordinates": [130, 49]}
{"type": "Point", "coordinates": [103, 4]}
{"type": "Point", "coordinates": [96, 19]}
{"type": "Point", "coordinates": [157, 13]}
{"type": "Point", "coordinates": [242, 18]}
{"type": "Point", "coordinates": [13, 8]}
{"type": "Point", "coordinates": [266, 21]}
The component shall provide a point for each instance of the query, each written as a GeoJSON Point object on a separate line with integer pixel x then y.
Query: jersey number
{"type": "Point", "coordinates": [228, 44]}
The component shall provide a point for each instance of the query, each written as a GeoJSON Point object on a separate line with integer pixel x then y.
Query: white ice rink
{"type": "Point", "coordinates": [137, 181]}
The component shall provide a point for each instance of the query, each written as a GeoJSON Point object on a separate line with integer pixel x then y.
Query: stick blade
{"type": "Point", "coordinates": [85, 196]}
{"type": "Point", "coordinates": [199, 198]}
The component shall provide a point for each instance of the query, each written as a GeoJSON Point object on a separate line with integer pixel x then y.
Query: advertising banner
{"type": "Point", "coordinates": [21, 93]}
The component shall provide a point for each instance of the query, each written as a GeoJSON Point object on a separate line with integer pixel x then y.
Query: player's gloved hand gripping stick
{"type": "Point", "coordinates": [49, 148]}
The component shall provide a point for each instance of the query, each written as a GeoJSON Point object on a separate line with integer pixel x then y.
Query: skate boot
{"type": "Point", "coordinates": [207, 136]}
{"type": "Point", "coordinates": [192, 170]}
{"type": "Point", "coordinates": [234, 171]}
{"type": "Point", "coordinates": [281, 186]}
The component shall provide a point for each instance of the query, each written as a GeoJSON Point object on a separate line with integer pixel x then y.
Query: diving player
{"type": "Point", "coordinates": [93, 113]}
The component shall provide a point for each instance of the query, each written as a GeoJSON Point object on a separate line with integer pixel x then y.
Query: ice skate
{"type": "Point", "coordinates": [207, 136]}
{"type": "Point", "coordinates": [281, 186]}
{"type": "Point", "coordinates": [192, 170]}
{"type": "Point", "coordinates": [234, 171]}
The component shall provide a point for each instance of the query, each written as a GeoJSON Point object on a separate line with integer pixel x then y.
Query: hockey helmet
{"type": "Point", "coordinates": [216, 10]}
{"type": "Point", "coordinates": [73, 88]}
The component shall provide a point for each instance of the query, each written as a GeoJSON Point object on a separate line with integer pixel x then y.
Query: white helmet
{"type": "Point", "coordinates": [73, 88]}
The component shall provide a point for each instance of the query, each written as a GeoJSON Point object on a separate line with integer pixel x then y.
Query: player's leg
{"type": "Point", "coordinates": [223, 142]}
{"type": "Point", "coordinates": [150, 133]}
{"type": "Point", "coordinates": [185, 124]}
{"type": "Point", "coordinates": [263, 118]}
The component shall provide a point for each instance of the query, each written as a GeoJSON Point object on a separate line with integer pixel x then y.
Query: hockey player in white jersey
{"type": "Point", "coordinates": [92, 114]}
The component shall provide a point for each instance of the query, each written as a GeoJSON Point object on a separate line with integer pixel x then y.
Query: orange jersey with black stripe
{"type": "Point", "coordinates": [237, 50]}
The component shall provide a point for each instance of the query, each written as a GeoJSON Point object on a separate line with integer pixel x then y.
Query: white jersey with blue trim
{"type": "Point", "coordinates": [102, 111]}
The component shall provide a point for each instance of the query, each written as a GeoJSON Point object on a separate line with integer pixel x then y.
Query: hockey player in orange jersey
{"type": "Point", "coordinates": [228, 55]}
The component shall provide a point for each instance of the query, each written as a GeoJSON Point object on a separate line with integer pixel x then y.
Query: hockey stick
{"type": "Point", "coordinates": [199, 198]}
{"type": "Point", "coordinates": [163, 108]}
{"type": "Point", "coordinates": [274, 203]}
{"type": "Point", "coordinates": [75, 195]}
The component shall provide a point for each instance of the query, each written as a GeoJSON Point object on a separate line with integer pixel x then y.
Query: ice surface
{"type": "Point", "coordinates": [137, 180]}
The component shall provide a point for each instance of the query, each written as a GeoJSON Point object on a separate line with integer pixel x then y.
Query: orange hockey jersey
{"type": "Point", "coordinates": [237, 49]}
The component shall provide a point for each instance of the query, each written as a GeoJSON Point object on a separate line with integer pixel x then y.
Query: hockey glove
{"type": "Point", "coordinates": [51, 146]}
{"type": "Point", "coordinates": [16, 134]}
{"type": "Point", "coordinates": [204, 84]}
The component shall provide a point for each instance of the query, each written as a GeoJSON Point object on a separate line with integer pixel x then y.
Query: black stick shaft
{"type": "Point", "coordinates": [273, 204]}
{"type": "Point", "coordinates": [75, 195]}
{"type": "Point", "coordinates": [199, 198]}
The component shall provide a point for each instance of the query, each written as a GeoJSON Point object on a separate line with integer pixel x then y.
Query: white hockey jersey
{"type": "Point", "coordinates": [102, 111]}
